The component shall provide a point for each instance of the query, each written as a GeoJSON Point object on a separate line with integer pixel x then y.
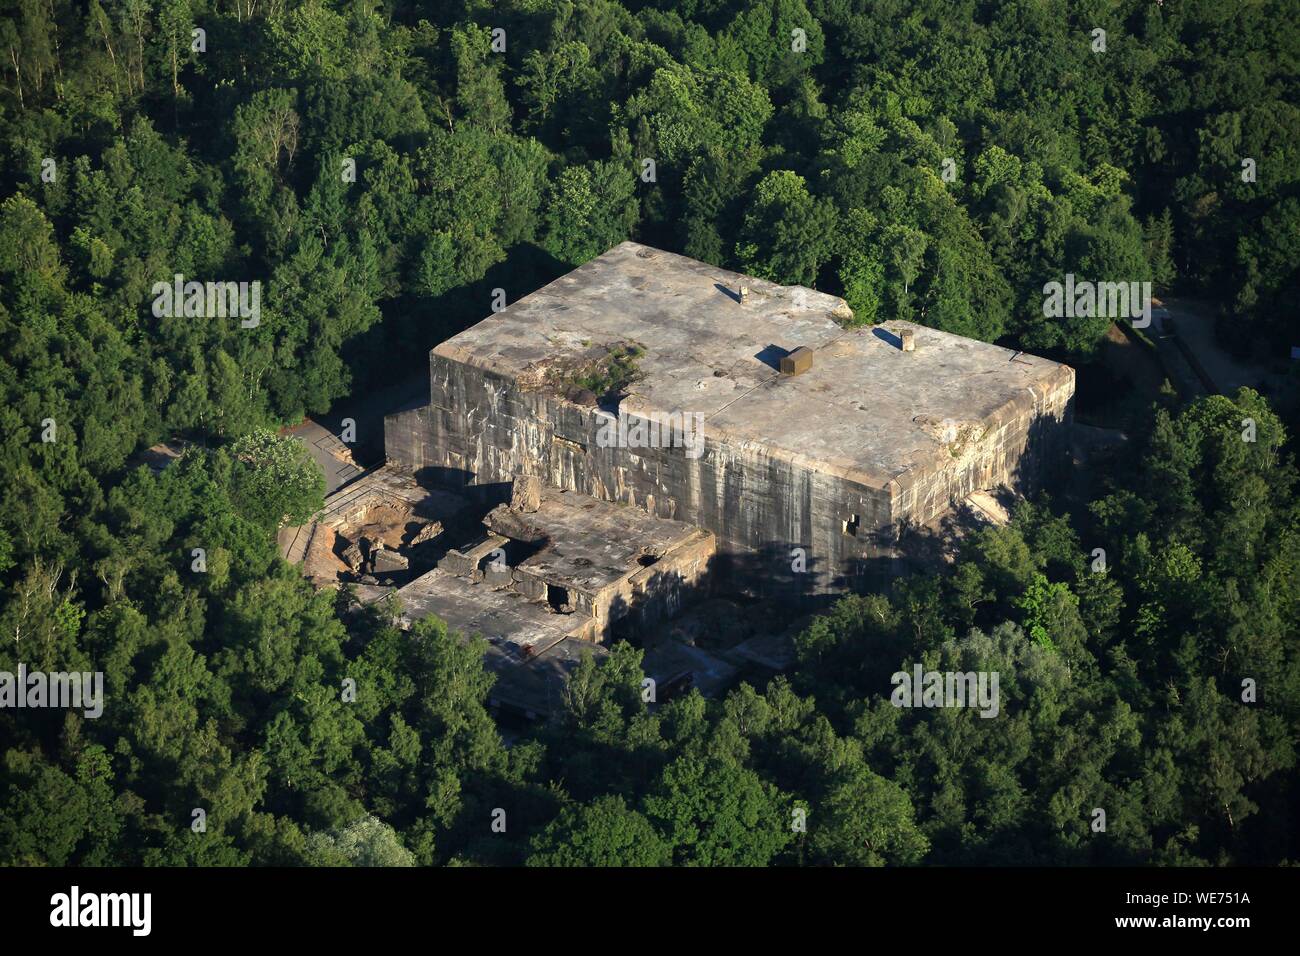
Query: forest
{"type": "Point", "coordinates": [380, 167]}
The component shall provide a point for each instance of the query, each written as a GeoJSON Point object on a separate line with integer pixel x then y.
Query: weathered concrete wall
{"type": "Point", "coordinates": [481, 429]}
{"type": "Point", "coordinates": [406, 435]}
{"type": "Point", "coordinates": [657, 592]}
{"type": "Point", "coordinates": [1020, 446]}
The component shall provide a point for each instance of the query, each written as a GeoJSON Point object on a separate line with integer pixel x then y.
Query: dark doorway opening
{"type": "Point", "coordinates": [558, 598]}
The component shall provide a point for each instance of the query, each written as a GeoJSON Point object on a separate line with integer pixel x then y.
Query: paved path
{"type": "Point", "coordinates": [336, 462]}
{"type": "Point", "coordinates": [1182, 374]}
{"type": "Point", "coordinates": [332, 455]}
{"type": "Point", "coordinates": [1193, 322]}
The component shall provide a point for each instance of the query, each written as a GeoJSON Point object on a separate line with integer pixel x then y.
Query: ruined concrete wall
{"type": "Point", "coordinates": [320, 565]}
{"type": "Point", "coordinates": [481, 429]}
{"type": "Point", "coordinates": [657, 592]}
{"type": "Point", "coordinates": [1019, 447]}
{"type": "Point", "coordinates": [406, 436]}
{"type": "Point", "coordinates": [645, 596]}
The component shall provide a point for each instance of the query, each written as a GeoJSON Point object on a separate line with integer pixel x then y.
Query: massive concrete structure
{"type": "Point", "coordinates": [648, 379]}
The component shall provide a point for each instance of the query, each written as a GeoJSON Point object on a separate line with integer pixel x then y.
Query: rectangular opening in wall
{"type": "Point", "coordinates": [850, 525]}
{"type": "Point", "coordinates": [558, 598]}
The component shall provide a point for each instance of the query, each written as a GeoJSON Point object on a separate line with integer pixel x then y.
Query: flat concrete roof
{"type": "Point", "coordinates": [529, 648]}
{"type": "Point", "coordinates": [592, 543]}
{"type": "Point", "coordinates": [506, 618]}
{"type": "Point", "coordinates": [866, 410]}
{"type": "Point", "coordinates": [538, 685]}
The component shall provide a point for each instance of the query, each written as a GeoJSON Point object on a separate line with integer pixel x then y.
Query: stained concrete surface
{"type": "Point", "coordinates": [615, 553]}
{"type": "Point", "coordinates": [862, 410]}
{"type": "Point", "coordinates": [869, 438]}
{"type": "Point", "coordinates": [833, 461]}
{"type": "Point", "coordinates": [593, 544]}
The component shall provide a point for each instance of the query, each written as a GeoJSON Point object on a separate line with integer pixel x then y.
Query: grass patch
{"type": "Point", "coordinates": [614, 373]}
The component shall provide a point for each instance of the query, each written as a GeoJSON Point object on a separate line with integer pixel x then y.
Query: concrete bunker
{"type": "Point", "coordinates": [834, 439]}
{"type": "Point", "coordinates": [828, 438]}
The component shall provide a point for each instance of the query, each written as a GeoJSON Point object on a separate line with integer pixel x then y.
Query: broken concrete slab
{"type": "Point", "coordinates": [427, 533]}
{"type": "Point", "coordinates": [388, 562]}
{"type": "Point", "coordinates": [392, 490]}
{"type": "Point", "coordinates": [525, 494]}
{"type": "Point", "coordinates": [464, 562]}
{"type": "Point", "coordinates": [605, 562]}
{"type": "Point", "coordinates": [475, 608]}
{"type": "Point", "coordinates": [531, 652]}
{"type": "Point", "coordinates": [502, 520]}
{"type": "Point", "coordinates": [353, 556]}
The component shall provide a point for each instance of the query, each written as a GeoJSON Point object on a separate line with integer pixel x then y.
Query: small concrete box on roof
{"type": "Point", "coordinates": [834, 460]}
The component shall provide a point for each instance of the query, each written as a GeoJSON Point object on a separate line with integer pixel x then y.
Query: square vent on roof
{"type": "Point", "coordinates": [797, 362]}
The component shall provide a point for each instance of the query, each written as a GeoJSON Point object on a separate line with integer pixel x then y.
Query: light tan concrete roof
{"type": "Point", "coordinates": [866, 410]}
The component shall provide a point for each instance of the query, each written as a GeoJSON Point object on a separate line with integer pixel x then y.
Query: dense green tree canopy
{"type": "Point", "coordinates": [378, 168]}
